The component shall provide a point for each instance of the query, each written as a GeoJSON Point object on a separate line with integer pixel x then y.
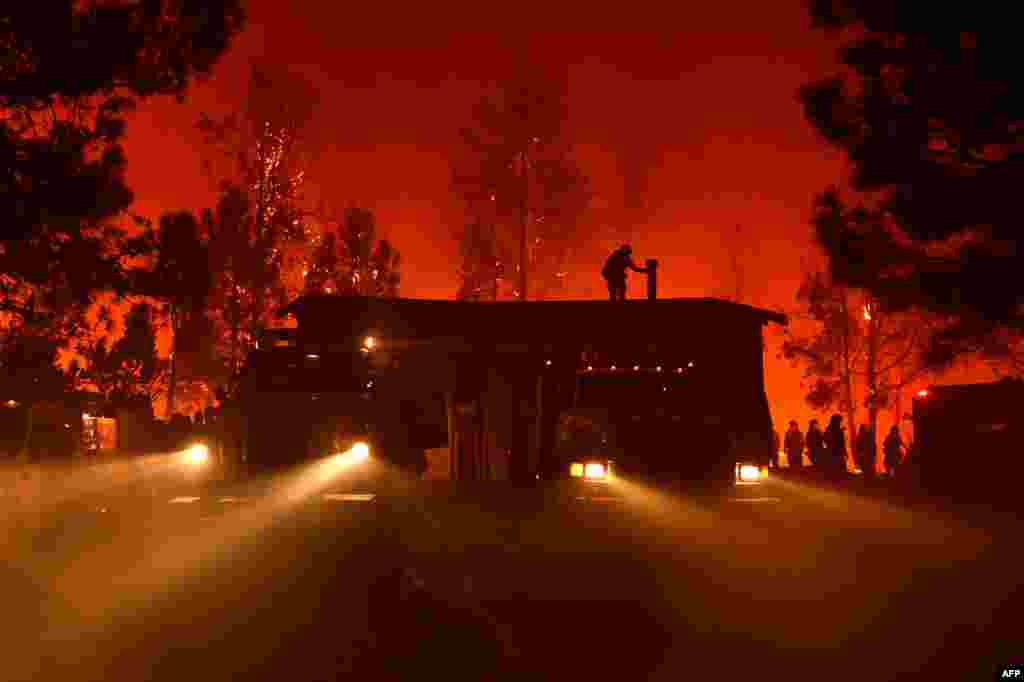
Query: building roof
{"type": "Point", "coordinates": [514, 321]}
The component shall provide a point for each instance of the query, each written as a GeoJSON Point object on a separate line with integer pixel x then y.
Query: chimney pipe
{"type": "Point", "coordinates": [652, 279]}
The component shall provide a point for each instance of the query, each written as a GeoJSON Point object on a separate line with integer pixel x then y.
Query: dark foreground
{"type": "Point", "coordinates": [795, 579]}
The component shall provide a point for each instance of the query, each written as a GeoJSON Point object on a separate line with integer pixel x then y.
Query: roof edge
{"type": "Point", "coordinates": [765, 315]}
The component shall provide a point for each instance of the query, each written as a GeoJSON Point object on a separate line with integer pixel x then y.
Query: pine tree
{"type": "Point", "coordinates": [516, 171]}
{"type": "Point", "coordinates": [927, 108]}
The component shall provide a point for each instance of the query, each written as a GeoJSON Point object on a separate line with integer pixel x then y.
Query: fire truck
{"type": "Point", "coordinates": [301, 401]}
{"type": "Point", "coordinates": [967, 437]}
{"type": "Point", "coordinates": [660, 424]}
{"type": "Point", "coordinates": [668, 389]}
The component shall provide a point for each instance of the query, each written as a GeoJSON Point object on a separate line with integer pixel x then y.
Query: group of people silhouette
{"type": "Point", "coordinates": [827, 451]}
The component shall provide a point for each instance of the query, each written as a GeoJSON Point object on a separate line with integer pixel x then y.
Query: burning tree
{"type": "Point", "coordinates": [350, 260]}
{"type": "Point", "coordinates": [259, 163]}
{"type": "Point", "coordinates": [70, 75]}
{"type": "Point", "coordinates": [516, 172]}
{"type": "Point", "coordinates": [246, 274]}
{"type": "Point", "coordinates": [857, 354]}
{"type": "Point", "coordinates": [129, 368]}
{"type": "Point", "coordinates": [482, 269]}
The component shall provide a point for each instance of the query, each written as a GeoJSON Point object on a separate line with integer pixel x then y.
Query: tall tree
{"type": "Point", "coordinates": [481, 272]}
{"type": "Point", "coordinates": [831, 353]}
{"type": "Point", "coordinates": [929, 109]}
{"type": "Point", "coordinates": [129, 369]}
{"type": "Point", "coordinates": [516, 171]}
{"type": "Point", "coordinates": [855, 354]}
{"type": "Point", "coordinates": [246, 277]}
{"type": "Point", "coordinates": [181, 279]}
{"type": "Point", "coordinates": [350, 260]}
{"type": "Point", "coordinates": [262, 149]}
{"type": "Point", "coordinates": [71, 72]}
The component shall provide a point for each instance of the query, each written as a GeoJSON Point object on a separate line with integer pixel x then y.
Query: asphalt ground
{"type": "Point", "coordinates": [110, 576]}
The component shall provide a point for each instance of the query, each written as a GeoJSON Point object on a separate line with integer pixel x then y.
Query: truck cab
{"type": "Point", "coordinates": [966, 439]}
{"type": "Point", "coordinates": [660, 424]}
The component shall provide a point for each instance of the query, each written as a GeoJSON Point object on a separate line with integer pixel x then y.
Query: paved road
{"type": "Point", "coordinates": [292, 582]}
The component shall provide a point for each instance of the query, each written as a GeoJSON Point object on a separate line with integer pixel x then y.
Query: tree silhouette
{"type": "Point", "coordinates": [384, 270]}
{"type": "Point", "coordinates": [352, 262]}
{"type": "Point", "coordinates": [481, 271]}
{"type": "Point", "coordinates": [928, 111]}
{"type": "Point", "coordinates": [129, 369]}
{"type": "Point", "coordinates": [70, 74]}
{"type": "Point", "coordinates": [831, 353]}
{"type": "Point", "coordinates": [856, 354]}
{"type": "Point", "coordinates": [182, 279]}
{"type": "Point", "coordinates": [261, 149]}
{"type": "Point", "coordinates": [516, 172]}
{"type": "Point", "coordinates": [246, 275]}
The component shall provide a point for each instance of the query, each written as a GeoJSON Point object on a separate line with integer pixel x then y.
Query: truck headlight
{"type": "Point", "coordinates": [198, 454]}
{"type": "Point", "coordinates": [576, 470]}
{"type": "Point", "coordinates": [748, 473]}
{"type": "Point", "coordinates": [360, 451]}
{"type": "Point", "coordinates": [595, 470]}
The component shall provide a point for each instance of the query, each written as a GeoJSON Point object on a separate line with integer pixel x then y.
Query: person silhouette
{"type": "Point", "coordinates": [866, 451]}
{"type": "Point", "coordinates": [893, 448]}
{"type": "Point", "coordinates": [835, 441]}
{"type": "Point", "coordinates": [614, 271]}
{"type": "Point", "coordinates": [794, 447]}
{"type": "Point", "coordinates": [815, 445]}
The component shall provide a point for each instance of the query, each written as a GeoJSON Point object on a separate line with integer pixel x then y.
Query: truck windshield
{"type": "Point", "coordinates": [290, 370]}
{"type": "Point", "coordinates": [634, 391]}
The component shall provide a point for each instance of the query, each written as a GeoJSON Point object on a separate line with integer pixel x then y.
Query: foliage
{"type": "Point", "coordinates": [831, 352]}
{"type": "Point", "coordinates": [181, 274]}
{"type": "Point", "coordinates": [515, 160]}
{"type": "Point", "coordinates": [260, 230]}
{"type": "Point", "coordinates": [246, 277]}
{"type": "Point", "coordinates": [928, 110]}
{"type": "Point", "coordinates": [28, 367]}
{"type": "Point", "coordinates": [352, 261]}
{"type": "Point", "coordinates": [129, 369]}
{"type": "Point", "coordinates": [259, 149]}
{"type": "Point", "coordinates": [857, 354]}
{"type": "Point", "coordinates": [181, 278]}
{"type": "Point", "coordinates": [481, 272]}
{"type": "Point", "coordinates": [71, 74]}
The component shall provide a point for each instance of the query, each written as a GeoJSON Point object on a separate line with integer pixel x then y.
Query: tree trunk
{"type": "Point", "coordinates": [172, 381]}
{"type": "Point", "coordinates": [872, 376]}
{"type": "Point", "coordinates": [848, 392]}
{"type": "Point", "coordinates": [26, 443]}
{"type": "Point", "coordinates": [235, 325]}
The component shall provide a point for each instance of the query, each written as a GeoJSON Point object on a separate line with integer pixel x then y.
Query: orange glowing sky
{"type": "Point", "coordinates": [702, 94]}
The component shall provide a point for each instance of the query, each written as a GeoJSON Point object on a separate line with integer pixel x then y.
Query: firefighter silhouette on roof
{"type": "Point", "coordinates": [614, 271]}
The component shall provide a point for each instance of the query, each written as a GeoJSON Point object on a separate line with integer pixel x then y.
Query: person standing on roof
{"type": "Point", "coordinates": [614, 271]}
